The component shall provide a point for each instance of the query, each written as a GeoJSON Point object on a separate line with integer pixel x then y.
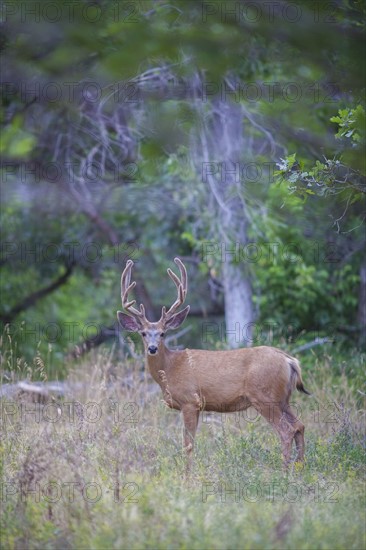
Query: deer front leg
{"type": "Point", "coordinates": [190, 419]}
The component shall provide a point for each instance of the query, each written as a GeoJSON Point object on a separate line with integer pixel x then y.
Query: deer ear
{"type": "Point", "coordinates": [127, 322]}
{"type": "Point", "coordinates": [176, 320]}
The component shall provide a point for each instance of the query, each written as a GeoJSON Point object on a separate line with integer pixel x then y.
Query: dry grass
{"type": "Point", "coordinates": [103, 469]}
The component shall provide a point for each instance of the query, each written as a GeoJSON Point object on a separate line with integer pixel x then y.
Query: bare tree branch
{"type": "Point", "coordinates": [33, 298]}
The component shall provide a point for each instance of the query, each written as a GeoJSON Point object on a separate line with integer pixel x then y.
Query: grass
{"type": "Point", "coordinates": [105, 470]}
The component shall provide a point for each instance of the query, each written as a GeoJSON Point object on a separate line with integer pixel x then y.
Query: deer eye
{"type": "Point", "coordinates": [162, 334]}
{"type": "Point", "coordinates": [143, 333]}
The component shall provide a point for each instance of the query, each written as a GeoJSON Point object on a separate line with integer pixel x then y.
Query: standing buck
{"type": "Point", "coordinates": [222, 381]}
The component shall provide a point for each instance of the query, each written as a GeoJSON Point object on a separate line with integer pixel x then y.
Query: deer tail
{"type": "Point", "coordinates": [296, 378]}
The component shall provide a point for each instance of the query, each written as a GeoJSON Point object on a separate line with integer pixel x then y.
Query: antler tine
{"type": "Point", "coordinates": [183, 274]}
{"type": "Point", "coordinates": [126, 287]}
{"type": "Point", "coordinates": [181, 284]}
{"type": "Point", "coordinates": [174, 277]}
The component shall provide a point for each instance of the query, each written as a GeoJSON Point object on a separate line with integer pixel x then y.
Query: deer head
{"type": "Point", "coordinates": [135, 320]}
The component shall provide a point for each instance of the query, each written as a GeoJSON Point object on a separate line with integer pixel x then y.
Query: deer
{"type": "Point", "coordinates": [195, 380]}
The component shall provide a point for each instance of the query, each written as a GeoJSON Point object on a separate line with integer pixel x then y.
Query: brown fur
{"type": "Point", "coordinates": [230, 381]}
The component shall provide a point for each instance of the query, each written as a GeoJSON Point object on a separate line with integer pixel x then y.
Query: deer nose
{"type": "Point", "coordinates": [152, 349]}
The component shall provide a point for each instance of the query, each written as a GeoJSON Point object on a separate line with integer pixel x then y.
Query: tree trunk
{"type": "Point", "coordinates": [227, 145]}
{"type": "Point", "coordinates": [238, 306]}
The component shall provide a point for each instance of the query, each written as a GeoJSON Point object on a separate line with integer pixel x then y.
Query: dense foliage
{"type": "Point", "coordinates": [101, 110]}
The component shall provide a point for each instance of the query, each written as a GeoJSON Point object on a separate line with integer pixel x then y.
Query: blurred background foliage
{"type": "Point", "coordinates": [102, 103]}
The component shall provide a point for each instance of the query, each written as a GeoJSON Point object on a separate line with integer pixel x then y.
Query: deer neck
{"type": "Point", "coordinates": [158, 362]}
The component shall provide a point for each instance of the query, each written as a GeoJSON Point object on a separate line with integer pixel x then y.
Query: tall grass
{"type": "Point", "coordinates": [103, 468]}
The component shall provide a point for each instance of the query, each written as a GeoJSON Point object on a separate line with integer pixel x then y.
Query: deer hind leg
{"type": "Point", "coordinates": [299, 433]}
{"type": "Point", "coordinates": [278, 419]}
{"type": "Point", "coordinates": [287, 434]}
{"type": "Point", "coordinates": [190, 419]}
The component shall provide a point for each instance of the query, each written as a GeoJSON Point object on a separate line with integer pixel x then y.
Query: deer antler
{"type": "Point", "coordinates": [126, 287]}
{"type": "Point", "coordinates": [181, 285]}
